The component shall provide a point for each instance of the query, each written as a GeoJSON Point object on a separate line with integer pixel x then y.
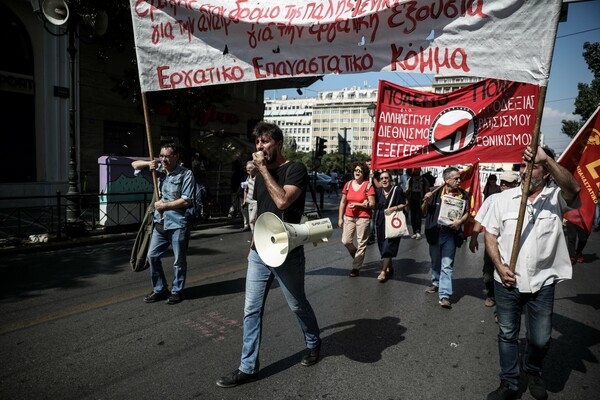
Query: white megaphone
{"type": "Point", "coordinates": [55, 11]}
{"type": "Point", "coordinates": [274, 239]}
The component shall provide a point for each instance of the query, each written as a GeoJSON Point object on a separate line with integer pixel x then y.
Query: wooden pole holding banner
{"type": "Point", "coordinates": [534, 145]}
{"type": "Point", "coordinates": [527, 180]}
{"type": "Point", "coordinates": [149, 140]}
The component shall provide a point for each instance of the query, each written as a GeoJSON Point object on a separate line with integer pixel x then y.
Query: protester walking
{"type": "Point", "coordinates": [577, 236]}
{"type": "Point", "coordinates": [280, 188]}
{"type": "Point", "coordinates": [249, 204]}
{"type": "Point", "coordinates": [508, 180]}
{"type": "Point", "coordinates": [417, 187]}
{"type": "Point", "coordinates": [171, 228]}
{"type": "Point", "coordinates": [390, 198]}
{"type": "Point", "coordinates": [356, 205]}
{"type": "Point", "coordinates": [443, 238]}
{"type": "Point", "coordinates": [542, 262]}
{"type": "Point", "coordinates": [491, 186]}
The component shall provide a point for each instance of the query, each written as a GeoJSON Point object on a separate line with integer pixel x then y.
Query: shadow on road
{"type": "Point", "coordinates": [585, 299]}
{"type": "Point", "coordinates": [216, 289]}
{"type": "Point", "coordinates": [569, 351]}
{"type": "Point", "coordinates": [361, 340]}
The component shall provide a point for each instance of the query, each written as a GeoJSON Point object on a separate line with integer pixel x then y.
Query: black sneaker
{"type": "Point", "coordinates": [503, 393]}
{"type": "Point", "coordinates": [431, 289]}
{"type": "Point", "coordinates": [236, 378]}
{"type": "Point", "coordinates": [175, 298]}
{"type": "Point", "coordinates": [156, 296]}
{"type": "Point", "coordinates": [537, 386]}
{"type": "Point", "coordinates": [312, 356]}
{"type": "Point", "coordinates": [445, 302]}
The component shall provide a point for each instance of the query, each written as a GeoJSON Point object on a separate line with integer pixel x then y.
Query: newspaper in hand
{"type": "Point", "coordinates": [451, 209]}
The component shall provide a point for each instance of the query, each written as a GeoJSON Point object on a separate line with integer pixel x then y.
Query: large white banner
{"type": "Point", "coordinates": [188, 43]}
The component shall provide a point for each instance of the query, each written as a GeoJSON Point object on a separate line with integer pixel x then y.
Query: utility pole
{"type": "Point", "coordinates": [344, 153]}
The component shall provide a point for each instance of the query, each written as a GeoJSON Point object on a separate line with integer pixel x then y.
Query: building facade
{"type": "Point", "coordinates": [450, 83]}
{"type": "Point", "coordinates": [334, 115]}
{"type": "Point", "coordinates": [35, 87]}
{"type": "Point", "coordinates": [294, 117]}
{"type": "Point", "coordinates": [340, 115]}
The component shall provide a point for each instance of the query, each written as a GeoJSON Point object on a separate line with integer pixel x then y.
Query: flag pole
{"type": "Point", "coordinates": [534, 146]}
{"type": "Point", "coordinates": [149, 140]}
{"type": "Point", "coordinates": [527, 180]}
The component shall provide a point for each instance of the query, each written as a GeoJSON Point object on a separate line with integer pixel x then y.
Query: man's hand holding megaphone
{"type": "Point", "coordinates": [259, 160]}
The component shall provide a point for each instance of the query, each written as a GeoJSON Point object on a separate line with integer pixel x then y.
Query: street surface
{"type": "Point", "coordinates": [74, 326]}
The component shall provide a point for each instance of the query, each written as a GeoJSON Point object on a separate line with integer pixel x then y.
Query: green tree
{"type": "Point", "coordinates": [588, 98]}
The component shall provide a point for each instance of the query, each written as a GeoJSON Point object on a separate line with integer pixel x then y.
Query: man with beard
{"type": "Point", "coordinates": [542, 262]}
{"type": "Point", "coordinates": [171, 222]}
{"type": "Point", "coordinates": [279, 188]}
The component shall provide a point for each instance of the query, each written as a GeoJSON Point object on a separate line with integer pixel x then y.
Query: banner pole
{"type": "Point", "coordinates": [527, 180]}
{"type": "Point", "coordinates": [534, 146]}
{"type": "Point", "coordinates": [149, 140]}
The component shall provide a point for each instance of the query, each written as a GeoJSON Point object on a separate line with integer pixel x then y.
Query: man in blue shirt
{"type": "Point", "coordinates": [176, 191]}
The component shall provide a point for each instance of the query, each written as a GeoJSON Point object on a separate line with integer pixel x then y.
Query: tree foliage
{"type": "Point", "coordinates": [588, 98]}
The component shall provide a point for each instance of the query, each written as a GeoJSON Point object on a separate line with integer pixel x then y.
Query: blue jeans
{"type": "Point", "coordinates": [259, 277]}
{"type": "Point", "coordinates": [442, 264]}
{"type": "Point", "coordinates": [178, 239]}
{"type": "Point", "coordinates": [510, 304]}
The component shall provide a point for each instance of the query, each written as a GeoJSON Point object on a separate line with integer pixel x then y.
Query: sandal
{"type": "Point", "coordinates": [382, 277]}
{"type": "Point", "coordinates": [389, 272]}
{"type": "Point", "coordinates": [353, 273]}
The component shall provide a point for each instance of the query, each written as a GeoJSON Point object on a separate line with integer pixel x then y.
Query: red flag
{"type": "Point", "coordinates": [469, 181]}
{"type": "Point", "coordinates": [491, 120]}
{"type": "Point", "coordinates": [582, 158]}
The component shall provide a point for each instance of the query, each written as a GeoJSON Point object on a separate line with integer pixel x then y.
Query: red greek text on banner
{"type": "Point", "coordinates": [491, 121]}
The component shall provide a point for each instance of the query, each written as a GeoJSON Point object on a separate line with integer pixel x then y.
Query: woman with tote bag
{"type": "Point", "coordinates": [391, 203]}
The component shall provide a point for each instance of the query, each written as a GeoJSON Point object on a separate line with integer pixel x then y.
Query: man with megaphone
{"type": "Point", "coordinates": [279, 188]}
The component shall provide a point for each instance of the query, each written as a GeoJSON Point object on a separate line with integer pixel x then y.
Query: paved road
{"type": "Point", "coordinates": [74, 326]}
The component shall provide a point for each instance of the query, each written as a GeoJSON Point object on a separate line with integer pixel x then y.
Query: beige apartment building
{"type": "Point", "coordinates": [335, 113]}
{"type": "Point", "coordinates": [332, 115]}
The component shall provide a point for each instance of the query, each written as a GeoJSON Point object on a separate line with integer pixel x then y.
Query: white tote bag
{"type": "Point", "coordinates": [395, 223]}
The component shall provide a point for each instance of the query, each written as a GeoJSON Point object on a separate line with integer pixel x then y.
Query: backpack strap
{"type": "Point", "coordinates": [367, 188]}
{"type": "Point", "coordinates": [348, 185]}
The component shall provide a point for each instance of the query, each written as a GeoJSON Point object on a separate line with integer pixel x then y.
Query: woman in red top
{"type": "Point", "coordinates": [358, 200]}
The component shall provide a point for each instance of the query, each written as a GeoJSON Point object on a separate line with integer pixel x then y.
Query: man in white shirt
{"type": "Point", "coordinates": [543, 261]}
{"type": "Point", "coordinates": [508, 180]}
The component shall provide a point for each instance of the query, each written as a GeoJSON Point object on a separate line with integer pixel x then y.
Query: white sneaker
{"type": "Point", "coordinates": [418, 236]}
{"type": "Point", "coordinates": [414, 236]}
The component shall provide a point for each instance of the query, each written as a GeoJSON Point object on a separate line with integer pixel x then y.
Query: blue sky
{"type": "Point", "coordinates": [568, 69]}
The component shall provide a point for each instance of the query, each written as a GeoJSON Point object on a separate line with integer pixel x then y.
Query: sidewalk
{"type": "Point", "coordinates": [330, 205]}
{"type": "Point", "coordinates": [98, 237]}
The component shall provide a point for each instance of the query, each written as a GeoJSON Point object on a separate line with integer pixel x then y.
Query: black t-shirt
{"type": "Point", "coordinates": [290, 173]}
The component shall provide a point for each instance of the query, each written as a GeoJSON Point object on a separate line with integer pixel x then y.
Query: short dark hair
{"type": "Point", "coordinates": [174, 148]}
{"type": "Point", "coordinates": [267, 129]}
